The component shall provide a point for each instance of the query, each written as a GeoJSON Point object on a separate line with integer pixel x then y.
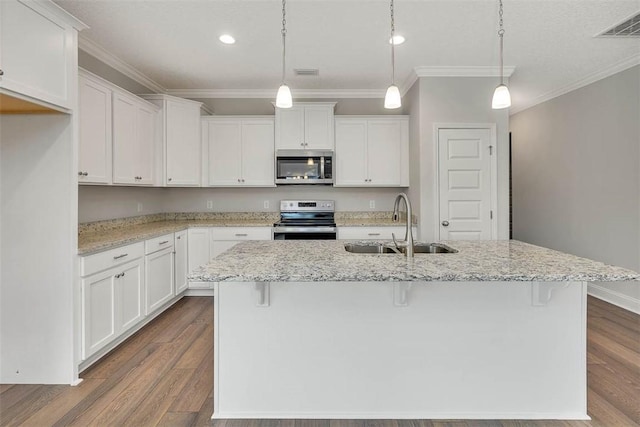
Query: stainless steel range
{"type": "Point", "coordinates": [306, 220]}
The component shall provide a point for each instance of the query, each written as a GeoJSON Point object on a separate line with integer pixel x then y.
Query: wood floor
{"type": "Point", "coordinates": [163, 375]}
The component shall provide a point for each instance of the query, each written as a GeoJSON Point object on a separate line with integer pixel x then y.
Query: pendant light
{"type": "Point", "coordinates": [392, 98]}
{"type": "Point", "coordinates": [283, 99]}
{"type": "Point", "coordinates": [501, 96]}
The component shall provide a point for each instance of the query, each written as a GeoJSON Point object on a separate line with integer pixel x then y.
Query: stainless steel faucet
{"type": "Point", "coordinates": [407, 243]}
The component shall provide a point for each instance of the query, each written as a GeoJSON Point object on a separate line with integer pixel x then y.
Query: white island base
{"type": "Point", "coordinates": [418, 350]}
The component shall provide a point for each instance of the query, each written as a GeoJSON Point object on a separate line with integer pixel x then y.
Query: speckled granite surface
{"type": "Point", "coordinates": [322, 261]}
{"type": "Point", "coordinates": [103, 235]}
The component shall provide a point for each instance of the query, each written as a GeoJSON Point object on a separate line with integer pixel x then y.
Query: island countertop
{"type": "Point", "coordinates": [328, 261]}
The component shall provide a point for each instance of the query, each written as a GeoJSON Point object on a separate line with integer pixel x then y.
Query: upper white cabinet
{"type": "Point", "coordinates": [307, 126]}
{"type": "Point", "coordinates": [372, 151]}
{"type": "Point", "coordinates": [95, 131]}
{"type": "Point", "coordinates": [181, 140]}
{"type": "Point", "coordinates": [38, 51]}
{"type": "Point", "coordinates": [134, 140]}
{"type": "Point", "coordinates": [240, 151]}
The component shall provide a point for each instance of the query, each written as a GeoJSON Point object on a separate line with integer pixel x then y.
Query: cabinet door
{"type": "Point", "coordinates": [351, 153]}
{"type": "Point", "coordinates": [384, 152]}
{"type": "Point", "coordinates": [290, 132]}
{"type": "Point", "coordinates": [258, 153]}
{"type": "Point", "coordinates": [146, 121]}
{"type": "Point", "coordinates": [98, 311]}
{"type": "Point", "coordinates": [180, 259]}
{"type": "Point", "coordinates": [129, 291]}
{"type": "Point", "coordinates": [125, 150]}
{"type": "Point", "coordinates": [198, 248]}
{"type": "Point", "coordinates": [95, 133]}
{"type": "Point", "coordinates": [225, 152]}
{"type": "Point", "coordinates": [37, 52]}
{"type": "Point", "coordinates": [183, 145]}
{"type": "Point", "coordinates": [318, 127]}
{"type": "Point", "coordinates": [159, 279]}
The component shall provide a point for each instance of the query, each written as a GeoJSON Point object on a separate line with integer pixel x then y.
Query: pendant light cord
{"type": "Point", "coordinates": [393, 53]}
{"type": "Point", "coordinates": [284, 37]}
{"type": "Point", "coordinates": [501, 35]}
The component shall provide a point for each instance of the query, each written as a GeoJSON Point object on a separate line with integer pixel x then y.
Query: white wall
{"type": "Point", "coordinates": [576, 177]}
{"type": "Point", "coordinates": [411, 102]}
{"type": "Point", "coordinates": [97, 203]}
{"type": "Point", "coordinates": [39, 241]}
{"type": "Point", "coordinates": [455, 100]}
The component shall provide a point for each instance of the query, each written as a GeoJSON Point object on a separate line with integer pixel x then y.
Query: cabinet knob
{"type": "Point", "coordinates": [169, 179]}
{"type": "Point", "coordinates": [445, 223]}
{"type": "Point", "coordinates": [242, 179]}
{"type": "Point", "coordinates": [239, 180]}
{"type": "Point", "coordinates": [79, 173]}
{"type": "Point", "coordinates": [85, 173]}
{"type": "Point", "coordinates": [1, 73]}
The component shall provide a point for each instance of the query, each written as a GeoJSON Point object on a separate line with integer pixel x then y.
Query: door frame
{"type": "Point", "coordinates": [493, 173]}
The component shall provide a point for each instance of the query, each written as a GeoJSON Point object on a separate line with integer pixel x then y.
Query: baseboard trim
{"type": "Point", "coordinates": [616, 298]}
{"type": "Point", "coordinates": [199, 293]}
{"type": "Point", "coordinates": [407, 415]}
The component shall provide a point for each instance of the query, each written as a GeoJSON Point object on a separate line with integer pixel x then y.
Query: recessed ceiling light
{"type": "Point", "coordinates": [397, 40]}
{"type": "Point", "coordinates": [227, 39]}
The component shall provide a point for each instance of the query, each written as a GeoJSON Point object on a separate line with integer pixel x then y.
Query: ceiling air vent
{"type": "Point", "coordinates": [628, 28]}
{"type": "Point", "coordinates": [306, 72]}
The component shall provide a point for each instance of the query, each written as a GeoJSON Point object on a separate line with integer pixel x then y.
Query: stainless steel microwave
{"type": "Point", "coordinates": [304, 167]}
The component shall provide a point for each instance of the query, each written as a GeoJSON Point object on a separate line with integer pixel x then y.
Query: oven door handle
{"type": "Point", "coordinates": [304, 229]}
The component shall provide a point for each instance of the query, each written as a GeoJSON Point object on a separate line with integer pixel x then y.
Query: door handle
{"type": "Point", "coordinates": [445, 223]}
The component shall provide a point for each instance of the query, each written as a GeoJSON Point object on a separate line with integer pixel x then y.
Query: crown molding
{"type": "Point", "coordinates": [591, 78]}
{"type": "Point", "coordinates": [58, 12]}
{"type": "Point", "coordinates": [118, 64]}
{"type": "Point", "coordinates": [463, 71]}
{"type": "Point", "coordinates": [271, 93]}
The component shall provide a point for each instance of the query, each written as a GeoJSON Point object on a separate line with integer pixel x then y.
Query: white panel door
{"type": "Point", "coordinates": [146, 144]}
{"type": "Point", "coordinates": [465, 184]}
{"type": "Point", "coordinates": [183, 144]}
{"type": "Point", "coordinates": [125, 151]}
{"type": "Point", "coordinates": [130, 292]}
{"type": "Point", "coordinates": [384, 152]}
{"type": "Point", "coordinates": [290, 127]}
{"type": "Point", "coordinates": [94, 164]}
{"type": "Point", "coordinates": [98, 311]}
{"type": "Point", "coordinates": [159, 279]}
{"type": "Point", "coordinates": [318, 127]}
{"type": "Point", "coordinates": [258, 153]}
{"type": "Point", "coordinates": [181, 260]}
{"type": "Point", "coordinates": [198, 244]}
{"type": "Point", "coordinates": [351, 153]}
{"type": "Point", "coordinates": [225, 152]}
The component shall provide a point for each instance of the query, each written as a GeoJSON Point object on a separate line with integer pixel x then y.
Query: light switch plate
{"type": "Point", "coordinates": [372, 204]}
{"type": "Point", "coordinates": [209, 204]}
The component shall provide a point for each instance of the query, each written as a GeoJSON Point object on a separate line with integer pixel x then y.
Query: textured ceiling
{"type": "Point", "coordinates": [175, 43]}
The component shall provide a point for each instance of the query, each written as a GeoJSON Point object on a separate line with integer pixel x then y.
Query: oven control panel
{"type": "Point", "coordinates": [307, 205]}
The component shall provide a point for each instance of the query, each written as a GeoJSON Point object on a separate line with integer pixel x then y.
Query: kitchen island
{"type": "Point", "coordinates": [304, 329]}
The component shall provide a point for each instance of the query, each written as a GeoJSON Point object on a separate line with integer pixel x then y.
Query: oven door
{"type": "Point", "coordinates": [304, 233]}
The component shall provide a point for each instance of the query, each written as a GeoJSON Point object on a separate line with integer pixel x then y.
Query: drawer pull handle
{"type": "Point", "coordinates": [179, 237]}
{"type": "Point", "coordinates": [374, 234]}
{"type": "Point", "coordinates": [120, 256]}
{"type": "Point", "coordinates": [241, 234]}
{"type": "Point", "coordinates": [163, 243]}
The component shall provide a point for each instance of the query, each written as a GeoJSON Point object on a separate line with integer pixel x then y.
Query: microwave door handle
{"type": "Point", "coordinates": [322, 167]}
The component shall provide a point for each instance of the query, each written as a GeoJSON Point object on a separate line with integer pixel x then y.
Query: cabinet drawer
{"type": "Point", "coordinates": [373, 233]}
{"type": "Point", "coordinates": [157, 243]}
{"type": "Point", "coordinates": [241, 233]}
{"type": "Point", "coordinates": [111, 258]}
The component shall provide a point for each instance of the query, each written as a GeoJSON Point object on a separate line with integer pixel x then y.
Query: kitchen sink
{"type": "Point", "coordinates": [389, 248]}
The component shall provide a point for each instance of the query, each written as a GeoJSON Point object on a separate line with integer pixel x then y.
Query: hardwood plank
{"type": "Point", "coordinates": [195, 313]}
{"type": "Point", "coordinates": [16, 394]}
{"type": "Point", "coordinates": [625, 393]}
{"type": "Point", "coordinates": [5, 387]}
{"type": "Point", "coordinates": [18, 413]}
{"type": "Point", "coordinates": [617, 350]}
{"type": "Point", "coordinates": [195, 392]}
{"type": "Point", "coordinates": [204, 414]}
{"type": "Point", "coordinates": [604, 413]}
{"type": "Point", "coordinates": [193, 357]}
{"type": "Point", "coordinates": [176, 419]}
{"type": "Point", "coordinates": [611, 310]}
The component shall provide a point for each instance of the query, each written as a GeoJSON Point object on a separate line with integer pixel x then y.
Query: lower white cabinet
{"type": "Point", "coordinates": [223, 238]}
{"type": "Point", "coordinates": [373, 233]}
{"type": "Point", "coordinates": [198, 253]}
{"type": "Point", "coordinates": [112, 302]}
{"type": "Point", "coordinates": [159, 274]}
{"type": "Point", "coordinates": [181, 259]}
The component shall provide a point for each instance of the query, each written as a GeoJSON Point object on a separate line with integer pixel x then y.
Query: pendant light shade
{"type": "Point", "coordinates": [501, 98]}
{"type": "Point", "coordinates": [283, 99]}
{"type": "Point", "coordinates": [392, 98]}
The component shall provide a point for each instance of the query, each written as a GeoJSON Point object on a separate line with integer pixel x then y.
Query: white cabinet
{"type": "Point", "coordinates": [94, 160]}
{"type": "Point", "coordinates": [159, 272]}
{"type": "Point", "coordinates": [198, 253]}
{"type": "Point", "coordinates": [134, 140]}
{"type": "Point", "coordinates": [240, 151]}
{"type": "Point", "coordinates": [112, 295]}
{"type": "Point", "coordinates": [180, 261]}
{"type": "Point", "coordinates": [307, 126]}
{"type": "Point", "coordinates": [181, 140]}
{"type": "Point", "coordinates": [372, 151]}
{"type": "Point", "coordinates": [223, 238]}
{"type": "Point", "coordinates": [38, 48]}
{"type": "Point", "coordinates": [373, 233]}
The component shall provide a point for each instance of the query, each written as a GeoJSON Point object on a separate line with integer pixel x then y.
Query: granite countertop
{"type": "Point", "coordinates": [327, 261]}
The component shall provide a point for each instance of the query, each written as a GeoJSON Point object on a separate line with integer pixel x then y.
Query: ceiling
{"type": "Point", "coordinates": [175, 43]}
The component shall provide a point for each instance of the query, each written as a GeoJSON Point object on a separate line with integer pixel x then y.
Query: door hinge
{"type": "Point", "coordinates": [490, 214]}
{"type": "Point", "coordinates": [491, 150]}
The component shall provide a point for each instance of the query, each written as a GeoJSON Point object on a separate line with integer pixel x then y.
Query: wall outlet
{"type": "Point", "coordinates": [140, 207]}
{"type": "Point", "coordinates": [266, 204]}
{"type": "Point", "coordinates": [209, 204]}
{"type": "Point", "coordinates": [372, 204]}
